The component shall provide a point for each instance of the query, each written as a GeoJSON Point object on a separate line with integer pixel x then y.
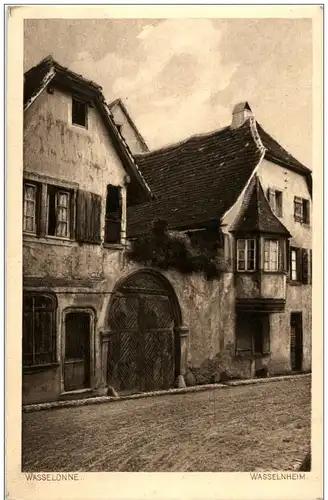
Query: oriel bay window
{"type": "Point", "coordinates": [39, 329]}
{"type": "Point", "coordinates": [262, 253]}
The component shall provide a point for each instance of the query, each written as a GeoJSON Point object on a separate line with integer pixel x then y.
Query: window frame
{"type": "Point", "coordinates": [302, 215]}
{"type": "Point", "coordinates": [35, 186]}
{"type": "Point", "coordinates": [51, 298]}
{"type": "Point", "coordinates": [273, 196]}
{"type": "Point", "coordinates": [298, 266]}
{"type": "Point", "coordinates": [246, 259]}
{"type": "Point", "coordinates": [79, 101]}
{"type": "Point", "coordinates": [278, 253]}
{"type": "Point", "coordinates": [57, 190]}
{"type": "Point", "coordinates": [44, 185]}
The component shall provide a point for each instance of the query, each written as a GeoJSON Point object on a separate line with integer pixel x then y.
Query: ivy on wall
{"type": "Point", "coordinates": [184, 252]}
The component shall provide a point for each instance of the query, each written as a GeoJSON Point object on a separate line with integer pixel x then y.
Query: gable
{"type": "Point", "coordinates": [127, 127]}
{"type": "Point", "coordinates": [37, 80]}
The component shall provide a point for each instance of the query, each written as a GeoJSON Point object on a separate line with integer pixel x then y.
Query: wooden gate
{"type": "Point", "coordinates": [141, 349]}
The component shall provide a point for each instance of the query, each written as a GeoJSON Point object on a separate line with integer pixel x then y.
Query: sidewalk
{"type": "Point", "coordinates": [197, 388]}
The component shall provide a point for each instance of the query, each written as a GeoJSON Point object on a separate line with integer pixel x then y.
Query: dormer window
{"type": "Point", "coordinates": [79, 113]}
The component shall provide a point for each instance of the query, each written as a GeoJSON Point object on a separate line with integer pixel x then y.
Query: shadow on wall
{"type": "Point", "coordinates": [306, 464]}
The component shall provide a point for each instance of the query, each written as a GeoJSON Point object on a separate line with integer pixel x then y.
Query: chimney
{"type": "Point", "coordinates": [240, 113]}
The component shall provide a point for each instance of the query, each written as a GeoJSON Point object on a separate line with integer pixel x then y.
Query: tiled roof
{"type": "Point", "coordinates": [278, 154]}
{"type": "Point", "coordinates": [198, 180]}
{"type": "Point", "coordinates": [255, 213]}
{"type": "Point", "coordinates": [195, 181]}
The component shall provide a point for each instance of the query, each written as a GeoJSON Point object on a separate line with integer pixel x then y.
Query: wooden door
{"type": "Point", "coordinates": [141, 351]}
{"type": "Point", "coordinates": [296, 341]}
{"type": "Point", "coordinates": [77, 351]}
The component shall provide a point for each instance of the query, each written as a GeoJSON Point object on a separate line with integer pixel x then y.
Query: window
{"type": "Point", "coordinates": [39, 333]}
{"type": "Point", "coordinates": [252, 333]}
{"type": "Point", "coordinates": [30, 208]}
{"type": "Point", "coordinates": [275, 201]}
{"type": "Point", "coordinates": [301, 265]}
{"type": "Point", "coordinates": [79, 113]}
{"type": "Point", "coordinates": [58, 212]}
{"type": "Point", "coordinates": [302, 210]}
{"type": "Point", "coordinates": [295, 264]}
{"type": "Point", "coordinates": [113, 217]}
{"type": "Point", "coordinates": [306, 211]}
{"type": "Point", "coordinates": [271, 255]}
{"type": "Point", "coordinates": [246, 255]}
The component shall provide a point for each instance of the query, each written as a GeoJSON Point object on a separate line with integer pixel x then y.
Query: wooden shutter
{"type": "Point", "coordinates": [310, 267]}
{"type": "Point", "coordinates": [272, 199]}
{"type": "Point", "coordinates": [288, 256]}
{"type": "Point", "coordinates": [88, 211]}
{"type": "Point", "coordinates": [305, 266]}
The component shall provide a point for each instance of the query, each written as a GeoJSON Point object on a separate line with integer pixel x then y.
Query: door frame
{"type": "Point", "coordinates": [180, 332]}
{"type": "Point", "coordinates": [299, 324]}
{"type": "Point", "coordinates": [92, 315]}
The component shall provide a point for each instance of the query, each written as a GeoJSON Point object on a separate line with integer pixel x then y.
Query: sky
{"type": "Point", "coordinates": [180, 77]}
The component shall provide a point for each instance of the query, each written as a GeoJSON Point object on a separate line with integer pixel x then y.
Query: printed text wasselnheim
{"type": "Point", "coordinates": [52, 476]}
{"type": "Point", "coordinates": [277, 476]}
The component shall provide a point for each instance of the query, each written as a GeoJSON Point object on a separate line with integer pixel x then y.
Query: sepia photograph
{"type": "Point", "coordinates": [167, 255]}
{"type": "Point", "coordinates": [169, 249]}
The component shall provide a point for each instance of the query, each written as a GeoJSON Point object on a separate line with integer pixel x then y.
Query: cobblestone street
{"type": "Point", "coordinates": [245, 428]}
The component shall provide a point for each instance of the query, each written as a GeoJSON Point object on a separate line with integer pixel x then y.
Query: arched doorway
{"type": "Point", "coordinates": [144, 342]}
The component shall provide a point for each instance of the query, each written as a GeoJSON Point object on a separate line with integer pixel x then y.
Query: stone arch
{"type": "Point", "coordinates": [145, 342]}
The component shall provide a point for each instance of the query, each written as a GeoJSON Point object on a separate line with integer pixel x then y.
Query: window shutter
{"type": "Point", "coordinates": [310, 267]}
{"type": "Point", "coordinates": [305, 266]}
{"type": "Point", "coordinates": [88, 211]}
{"type": "Point", "coordinates": [272, 199]}
{"type": "Point", "coordinates": [288, 256]}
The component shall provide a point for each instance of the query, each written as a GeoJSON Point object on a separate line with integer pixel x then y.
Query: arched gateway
{"type": "Point", "coordinates": [144, 349]}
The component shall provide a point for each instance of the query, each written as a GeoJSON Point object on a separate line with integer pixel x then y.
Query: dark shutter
{"type": "Point", "coordinates": [310, 267]}
{"type": "Point", "coordinates": [88, 211]}
{"type": "Point", "coordinates": [305, 266]}
{"type": "Point", "coordinates": [288, 256]}
{"type": "Point", "coordinates": [113, 216]}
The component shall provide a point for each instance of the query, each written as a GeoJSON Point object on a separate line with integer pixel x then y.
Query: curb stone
{"type": "Point", "coordinates": [198, 388]}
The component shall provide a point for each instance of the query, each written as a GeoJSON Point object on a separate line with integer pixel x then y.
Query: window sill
{"type": "Point", "coordinates": [39, 368]}
{"type": "Point", "coordinates": [282, 272]}
{"type": "Point", "coordinates": [114, 246]}
{"type": "Point", "coordinates": [48, 240]}
{"type": "Point", "coordinates": [251, 356]}
{"type": "Point", "coordinates": [295, 283]}
{"type": "Point", "coordinates": [246, 272]}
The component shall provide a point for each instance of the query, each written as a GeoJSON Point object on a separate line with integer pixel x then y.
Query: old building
{"type": "Point", "coordinates": [79, 177]}
{"type": "Point", "coordinates": [256, 318]}
{"type": "Point", "coordinates": [127, 127]}
{"type": "Point", "coordinates": [97, 321]}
